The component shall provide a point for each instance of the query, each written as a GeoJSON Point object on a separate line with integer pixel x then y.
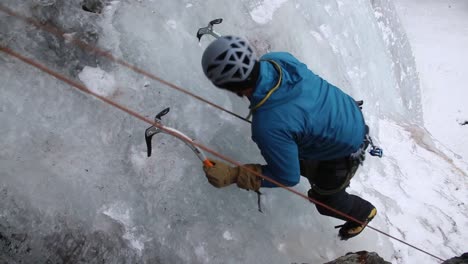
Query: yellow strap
{"type": "Point", "coordinates": [272, 90]}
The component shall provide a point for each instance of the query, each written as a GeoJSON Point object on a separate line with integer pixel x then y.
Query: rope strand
{"type": "Point", "coordinates": [93, 49]}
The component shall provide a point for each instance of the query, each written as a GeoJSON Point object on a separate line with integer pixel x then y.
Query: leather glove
{"type": "Point", "coordinates": [221, 175]}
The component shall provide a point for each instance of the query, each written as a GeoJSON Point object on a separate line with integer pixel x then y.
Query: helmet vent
{"type": "Point", "coordinates": [221, 56]}
{"type": "Point", "coordinates": [246, 60]}
{"type": "Point", "coordinates": [239, 54]}
{"type": "Point", "coordinates": [237, 74]}
{"type": "Point", "coordinates": [234, 45]}
{"type": "Point", "coordinates": [227, 68]}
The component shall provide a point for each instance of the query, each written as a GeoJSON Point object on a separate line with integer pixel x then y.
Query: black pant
{"type": "Point", "coordinates": [330, 175]}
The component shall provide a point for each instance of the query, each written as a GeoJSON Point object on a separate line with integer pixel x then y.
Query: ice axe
{"type": "Point", "coordinates": [209, 29]}
{"type": "Point", "coordinates": [153, 130]}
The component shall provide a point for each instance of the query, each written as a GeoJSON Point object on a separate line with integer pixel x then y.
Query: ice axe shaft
{"type": "Point", "coordinates": [209, 29]}
{"type": "Point", "coordinates": [153, 130]}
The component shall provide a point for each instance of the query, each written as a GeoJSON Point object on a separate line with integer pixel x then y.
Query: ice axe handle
{"type": "Point", "coordinates": [208, 163]}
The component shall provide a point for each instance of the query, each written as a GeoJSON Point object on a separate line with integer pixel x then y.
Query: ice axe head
{"type": "Point", "coordinates": [152, 130]}
{"type": "Point", "coordinates": [209, 29]}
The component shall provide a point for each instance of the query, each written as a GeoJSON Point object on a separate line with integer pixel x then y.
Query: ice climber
{"type": "Point", "coordinates": [302, 125]}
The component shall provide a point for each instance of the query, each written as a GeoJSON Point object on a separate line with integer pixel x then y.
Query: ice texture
{"type": "Point", "coordinates": [76, 185]}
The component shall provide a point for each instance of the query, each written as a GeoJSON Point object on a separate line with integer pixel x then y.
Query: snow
{"type": "Point", "coordinates": [263, 12]}
{"type": "Point", "coordinates": [98, 80]}
{"type": "Point", "coordinates": [121, 213]}
{"type": "Point", "coordinates": [410, 180]}
{"type": "Point", "coordinates": [438, 33]}
{"type": "Point", "coordinates": [227, 235]}
{"type": "Point", "coordinates": [73, 167]}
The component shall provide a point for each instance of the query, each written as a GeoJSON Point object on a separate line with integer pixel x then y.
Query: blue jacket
{"type": "Point", "coordinates": [305, 118]}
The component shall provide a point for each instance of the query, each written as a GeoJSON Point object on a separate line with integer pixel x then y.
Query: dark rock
{"type": "Point", "coordinates": [361, 257]}
{"type": "Point", "coordinates": [463, 259]}
{"type": "Point", "coordinates": [93, 6]}
{"type": "Point", "coordinates": [70, 24]}
{"type": "Point", "coordinates": [75, 245]}
{"type": "Point", "coordinates": [364, 257]}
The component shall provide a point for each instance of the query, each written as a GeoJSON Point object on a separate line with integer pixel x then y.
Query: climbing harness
{"type": "Point", "coordinates": [352, 164]}
{"type": "Point", "coordinates": [354, 161]}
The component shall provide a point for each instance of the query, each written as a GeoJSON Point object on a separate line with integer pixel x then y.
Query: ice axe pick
{"type": "Point", "coordinates": [209, 29]}
{"type": "Point", "coordinates": [153, 130]}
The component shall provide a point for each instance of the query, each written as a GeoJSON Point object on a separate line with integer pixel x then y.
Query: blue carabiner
{"type": "Point", "coordinates": [376, 151]}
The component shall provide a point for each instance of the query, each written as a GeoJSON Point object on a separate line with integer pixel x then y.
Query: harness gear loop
{"type": "Point", "coordinates": [354, 160]}
{"type": "Point", "coordinates": [272, 90]}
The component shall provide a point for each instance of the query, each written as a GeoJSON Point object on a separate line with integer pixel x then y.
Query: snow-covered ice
{"type": "Point", "coordinates": [75, 182]}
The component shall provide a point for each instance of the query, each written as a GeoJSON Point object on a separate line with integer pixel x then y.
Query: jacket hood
{"type": "Point", "coordinates": [268, 78]}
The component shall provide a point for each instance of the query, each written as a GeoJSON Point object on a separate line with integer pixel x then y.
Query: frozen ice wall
{"type": "Point", "coordinates": [76, 184]}
{"type": "Point", "coordinates": [439, 34]}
